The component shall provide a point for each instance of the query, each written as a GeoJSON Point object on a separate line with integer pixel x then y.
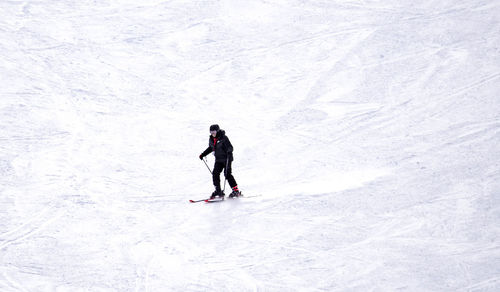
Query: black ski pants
{"type": "Point", "coordinates": [218, 167]}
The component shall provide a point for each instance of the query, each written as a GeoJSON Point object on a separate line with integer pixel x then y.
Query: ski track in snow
{"type": "Point", "coordinates": [369, 130]}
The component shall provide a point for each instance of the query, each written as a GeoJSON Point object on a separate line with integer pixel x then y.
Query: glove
{"type": "Point", "coordinates": [201, 156]}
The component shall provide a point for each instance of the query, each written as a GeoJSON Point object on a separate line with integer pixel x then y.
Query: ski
{"type": "Point", "coordinates": [197, 201]}
{"type": "Point", "coordinates": [206, 200]}
{"type": "Point", "coordinates": [216, 200]}
{"type": "Point", "coordinates": [246, 197]}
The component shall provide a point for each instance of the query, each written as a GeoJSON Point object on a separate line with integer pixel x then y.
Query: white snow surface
{"type": "Point", "coordinates": [370, 129]}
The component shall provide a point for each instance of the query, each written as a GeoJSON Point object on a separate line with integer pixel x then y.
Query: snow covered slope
{"type": "Point", "coordinates": [370, 128]}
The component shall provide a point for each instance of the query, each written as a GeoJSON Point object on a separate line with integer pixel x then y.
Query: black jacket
{"type": "Point", "coordinates": [221, 146]}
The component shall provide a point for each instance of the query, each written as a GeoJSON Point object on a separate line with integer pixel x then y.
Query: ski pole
{"type": "Point", "coordinates": [207, 166]}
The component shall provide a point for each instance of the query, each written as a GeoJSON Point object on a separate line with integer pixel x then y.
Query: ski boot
{"type": "Point", "coordinates": [217, 194]}
{"type": "Point", "coordinates": [235, 193]}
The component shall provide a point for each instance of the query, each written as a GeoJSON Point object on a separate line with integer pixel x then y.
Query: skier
{"type": "Point", "coordinates": [219, 143]}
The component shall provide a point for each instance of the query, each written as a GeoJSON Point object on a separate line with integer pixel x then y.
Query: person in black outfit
{"type": "Point", "coordinates": [223, 150]}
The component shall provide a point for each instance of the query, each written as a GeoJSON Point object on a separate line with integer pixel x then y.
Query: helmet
{"type": "Point", "coordinates": [214, 127]}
